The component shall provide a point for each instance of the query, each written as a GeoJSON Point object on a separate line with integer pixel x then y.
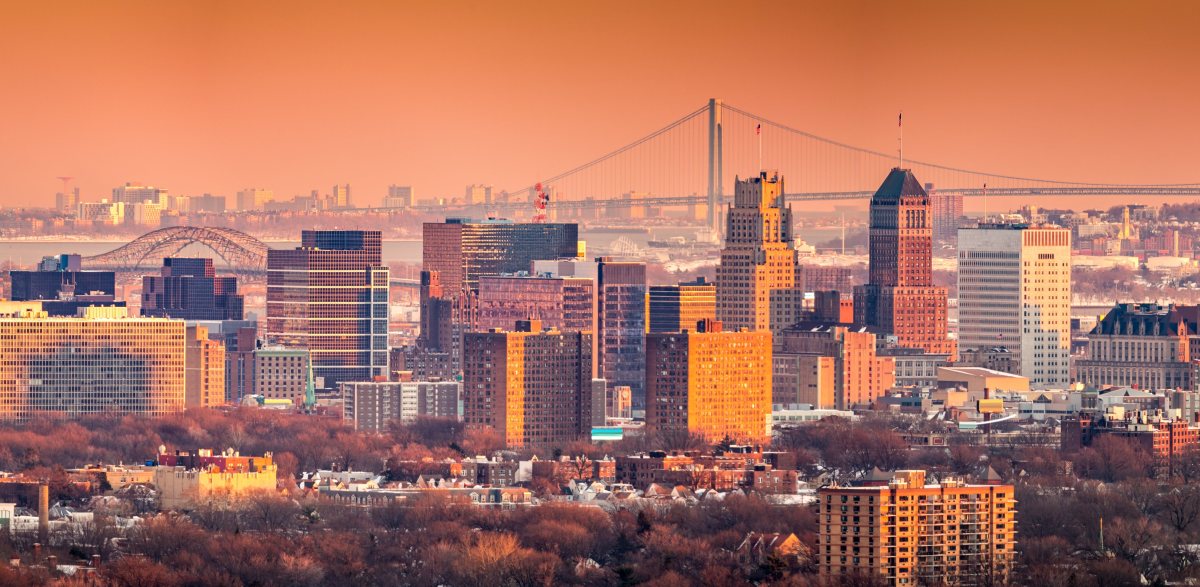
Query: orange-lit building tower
{"type": "Point", "coordinates": [756, 280]}
{"type": "Point", "coordinates": [907, 532]}
{"type": "Point", "coordinates": [533, 386]}
{"type": "Point", "coordinates": [709, 382]}
{"type": "Point", "coordinates": [899, 297]}
{"type": "Point", "coordinates": [205, 364]}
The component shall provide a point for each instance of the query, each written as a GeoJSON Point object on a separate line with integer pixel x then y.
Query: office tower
{"type": "Point", "coordinates": [139, 194]}
{"type": "Point", "coordinates": [204, 384]}
{"type": "Point", "coordinates": [1014, 290]}
{"type": "Point", "coordinates": [899, 297]}
{"type": "Point", "coordinates": [563, 303]}
{"type": "Point", "coordinates": [373, 405]}
{"type": "Point", "coordinates": [833, 307]}
{"type": "Point", "coordinates": [905, 531]}
{"type": "Point", "coordinates": [282, 373]}
{"type": "Point", "coordinates": [830, 367]}
{"type": "Point", "coordinates": [532, 386]}
{"type": "Point", "coordinates": [709, 382]}
{"type": "Point", "coordinates": [478, 195]}
{"type": "Point", "coordinates": [63, 286]}
{"type": "Point", "coordinates": [756, 278]}
{"type": "Point", "coordinates": [462, 250]}
{"type": "Point", "coordinates": [330, 296]}
{"type": "Point", "coordinates": [67, 202]}
{"type": "Point", "coordinates": [398, 196]}
{"type": "Point", "coordinates": [340, 198]}
{"type": "Point", "coordinates": [253, 199]}
{"type": "Point", "coordinates": [1140, 345]}
{"type": "Point", "coordinates": [101, 362]}
{"type": "Point", "coordinates": [674, 308]}
{"type": "Point", "coordinates": [189, 289]}
{"type": "Point", "coordinates": [620, 318]}
{"type": "Point", "coordinates": [947, 210]}
{"type": "Point", "coordinates": [239, 363]}
{"type": "Point", "coordinates": [206, 204]}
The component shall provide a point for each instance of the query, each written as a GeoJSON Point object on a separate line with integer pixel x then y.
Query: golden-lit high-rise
{"type": "Point", "coordinates": [709, 382]}
{"type": "Point", "coordinates": [205, 381]}
{"type": "Point", "coordinates": [904, 531]}
{"type": "Point", "coordinates": [756, 279]}
{"type": "Point", "coordinates": [102, 362]}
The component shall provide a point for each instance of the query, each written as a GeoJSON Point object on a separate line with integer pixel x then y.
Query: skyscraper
{"type": "Point", "coordinates": [621, 319]}
{"type": "Point", "coordinates": [204, 383]}
{"type": "Point", "coordinates": [709, 382]}
{"type": "Point", "coordinates": [340, 198]}
{"type": "Point", "coordinates": [756, 278]}
{"type": "Point", "coordinates": [67, 202]}
{"type": "Point", "coordinates": [565, 303]}
{"type": "Point", "coordinates": [1014, 290]}
{"type": "Point", "coordinates": [253, 199]}
{"type": "Point", "coordinates": [533, 386]}
{"type": "Point", "coordinates": [674, 308]}
{"type": "Point", "coordinates": [398, 196]}
{"type": "Point", "coordinates": [899, 297]}
{"type": "Point", "coordinates": [189, 289]}
{"type": "Point", "coordinates": [330, 296]}
{"type": "Point", "coordinates": [947, 208]}
{"type": "Point", "coordinates": [462, 250]}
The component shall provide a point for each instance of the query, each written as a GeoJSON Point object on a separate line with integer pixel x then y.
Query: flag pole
{"type": "Point", "coordinates": [901, 122]}
{"type": "Point", "coordinates": [758, 131]}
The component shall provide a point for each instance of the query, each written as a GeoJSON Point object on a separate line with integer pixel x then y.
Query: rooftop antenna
{"type": "Point", "coordinates": [985, 202]}
{"type": "Point", "coordinates": [900, 122]}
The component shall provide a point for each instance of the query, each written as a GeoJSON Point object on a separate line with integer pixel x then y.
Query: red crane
{"type": "Point", "coordinates": [541, 200]}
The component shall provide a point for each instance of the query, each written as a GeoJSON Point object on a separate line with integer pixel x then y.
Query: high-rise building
{"type": "Point", "coordinates": [206, 204]}
{"type": "Point", "coordinates": [330, 296]}
{"type": "Point", "coordinates": [904, 531]}
{"type": "Point", "coordinates": [281, 373]}
{"type": "Point", "coordinates": [463, 250]}
{"type": "Point", "coordinates": [564, 303]}
{"type": "Point", "coordinates": [101, 362]}
{"type": "Point", "coordinates": [709, 382]}
{"type": "Point", "coordinates": [533, 386]}
{"type": "Point", "coordinates": [899, 297]}
{"type": "Point", "coordinates": [830, 367]}
{"type": "Point", "coordinates": [139, 194]}
{"type": "Point", "coordinates": [756, 278]}
{"type": "Point", "coordinates": [372, 405]}
{"type": "Point", "coordinates": [340, 198]}
{"type": "Point", "coordinates": [811, 277]}
{"type": "Point", "coordinates": [189, 289]}
{"type": "Point", "coordinates": [674, 308]}
{"type": "Point", "coordinates": [947, 210]}
{"type": "Point", "coordinates": [67, 202]}
{"type": "Point", "coordinates": [253, 199]}
{"type": "Point", "coordinates": [1141, 345]}
{"type": "Point", "coordinates": [240, 345]}
{"type": "Point", "coordinates": [399, 196]}
{"type": "Point", "coordinates": [63, 286]}
{"type": "Point", "coordinates": [1014, 289]}
{"type": "Point", "coordinates": [477, 195]}
{"type": "Point", "coordinates": [205, 363]}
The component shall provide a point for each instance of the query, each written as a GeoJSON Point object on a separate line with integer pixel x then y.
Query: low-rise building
{"type": "Point", "coordinates": [185, 479]}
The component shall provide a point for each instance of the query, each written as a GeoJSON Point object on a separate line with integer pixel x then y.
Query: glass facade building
{"type": "Point", "coordinates": [462, 250]}
{"type": "Point", "coordinates": [330, 296]}
{"type": "Point", "coordinates": [565, 303]}
{"type": "Point", "coordinates": [189, 289]}
{"type": "Point", "coordinates": [674, 308]}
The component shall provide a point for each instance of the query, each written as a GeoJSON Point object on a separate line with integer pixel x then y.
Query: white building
{"type": "Point", "coordinates": [1014, 289]}
{"type": "Point", "coordinates": [370, 405]}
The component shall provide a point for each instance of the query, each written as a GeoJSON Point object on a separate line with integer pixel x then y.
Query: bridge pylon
{"type": "Point", "coordinates": [715, 181]}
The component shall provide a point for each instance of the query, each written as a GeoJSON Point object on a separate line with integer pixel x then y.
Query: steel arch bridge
{"type": "Point", "coordinates": [244, 254]}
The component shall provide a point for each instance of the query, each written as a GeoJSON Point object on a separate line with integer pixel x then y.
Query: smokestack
{"type": "Point", "coordinates": [43, 512]}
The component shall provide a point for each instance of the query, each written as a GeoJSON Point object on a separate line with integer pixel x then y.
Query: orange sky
{"type": "Point", "coordinates": [214, 96]}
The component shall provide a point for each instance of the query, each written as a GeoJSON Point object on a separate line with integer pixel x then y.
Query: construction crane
{"type": "Point", "coordinates": [541, 200]}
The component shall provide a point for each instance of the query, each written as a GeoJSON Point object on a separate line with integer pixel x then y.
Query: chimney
{"type": "Point", "coordinates": [52, 563]}
{"type": "Point", "coordinates": [37, 551]}
{"type": "Point", "coordinates": [43, 512]}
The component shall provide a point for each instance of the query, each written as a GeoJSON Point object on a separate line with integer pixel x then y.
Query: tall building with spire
{"type": "Point", "coordinates": [899, 297]}
{"type": "Point", "coordinates": [756, 280]}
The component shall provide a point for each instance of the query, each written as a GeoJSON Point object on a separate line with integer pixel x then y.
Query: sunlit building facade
{"type": "Point", "coordinates": [674, 308]}
{"type": "Point", "coordinates": [565, 303]}
{"type": "Point", "coordinates": [756, 277]}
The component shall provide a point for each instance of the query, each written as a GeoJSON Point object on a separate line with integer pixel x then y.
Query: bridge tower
{"type": "Point", "coordinates": [715, 181]}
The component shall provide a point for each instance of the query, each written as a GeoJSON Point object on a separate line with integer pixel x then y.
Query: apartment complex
{"type": "Point", "coordinates": [675, 308]}
{"type": "Point", "coordinates": [1141, 345]}
{"type": "Point", "coordinates": [904, 531]}
{"type": "Point", "coordinates": [101, 362]}
{"type": "Point", "coordinates": [372, 405]}
{"type": "Point", "coordinates": [709, 382]}
{"type": "Point", "coordinates": [756, 277]}
{"type": "Point", "coordinates": [1014, 289]}
{"type": "Point", "coordinates": [899, 297]}
{"type": "Point", "coordinates": [947, 209]}
{"type": "Point", "coordinates": [186, 480]}
{"type": "Point", "coordinates": [830, 367]}
{"type": "Point", "coordinates": [462, 250]}
{"type": "Point", "coordinates": [281, 373]}
{"type": "Point", "coordinates": [205, 364]}
{"type": "Point", "coordinates": [330, 296]}
{"type": "Point", "coordinates": [532, 386]}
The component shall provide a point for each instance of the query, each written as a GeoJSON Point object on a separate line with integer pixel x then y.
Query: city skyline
{"type": "Point", "coordinates": [221, 98]}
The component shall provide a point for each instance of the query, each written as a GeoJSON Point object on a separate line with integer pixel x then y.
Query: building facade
{"type": "Point", "coordinates": [709, 382]}
{"type": "Point", "coordinates": [372, 405]}
{"type": "Point", "coordinates": [281, 373]}
{"type": "Point", "coordinates": [330, 296]}
{"type": "Point", "coordinates": [532, 386]}
{"type": "Point", "coordinates": [830, 368]}
{"type": "Point", "coordinates": [756, 277]}
{"type": "Point", "coordinates": [102, 362]}
{"type": "Point", "coordinates": [899, 297]}
{"type": "Point", "coordinates": [1014, 289]}
{"type": "Point", "coordinates": [462, 250]}
{"type": "Point", "coordinates": [1145, 346]}
{"type": "Point", "coordinates": [908, 532]}
{"type": "Point", "coordinates": [565, 303]}
{"type": "Point", "coordinates": [675, 308]}
{"type": "Point", "coordinates": [205, 364]}
{"type": "Point", "coordinates": [189, 289]}
{"type": "Point", "coordinates": [947, 209]}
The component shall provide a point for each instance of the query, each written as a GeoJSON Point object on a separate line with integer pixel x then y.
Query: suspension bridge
{"type": "Point", "coordinates": [692, 161]}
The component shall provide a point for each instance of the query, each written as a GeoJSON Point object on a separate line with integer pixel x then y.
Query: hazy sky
{"type": "Point", "coordinates": [214, 96]}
